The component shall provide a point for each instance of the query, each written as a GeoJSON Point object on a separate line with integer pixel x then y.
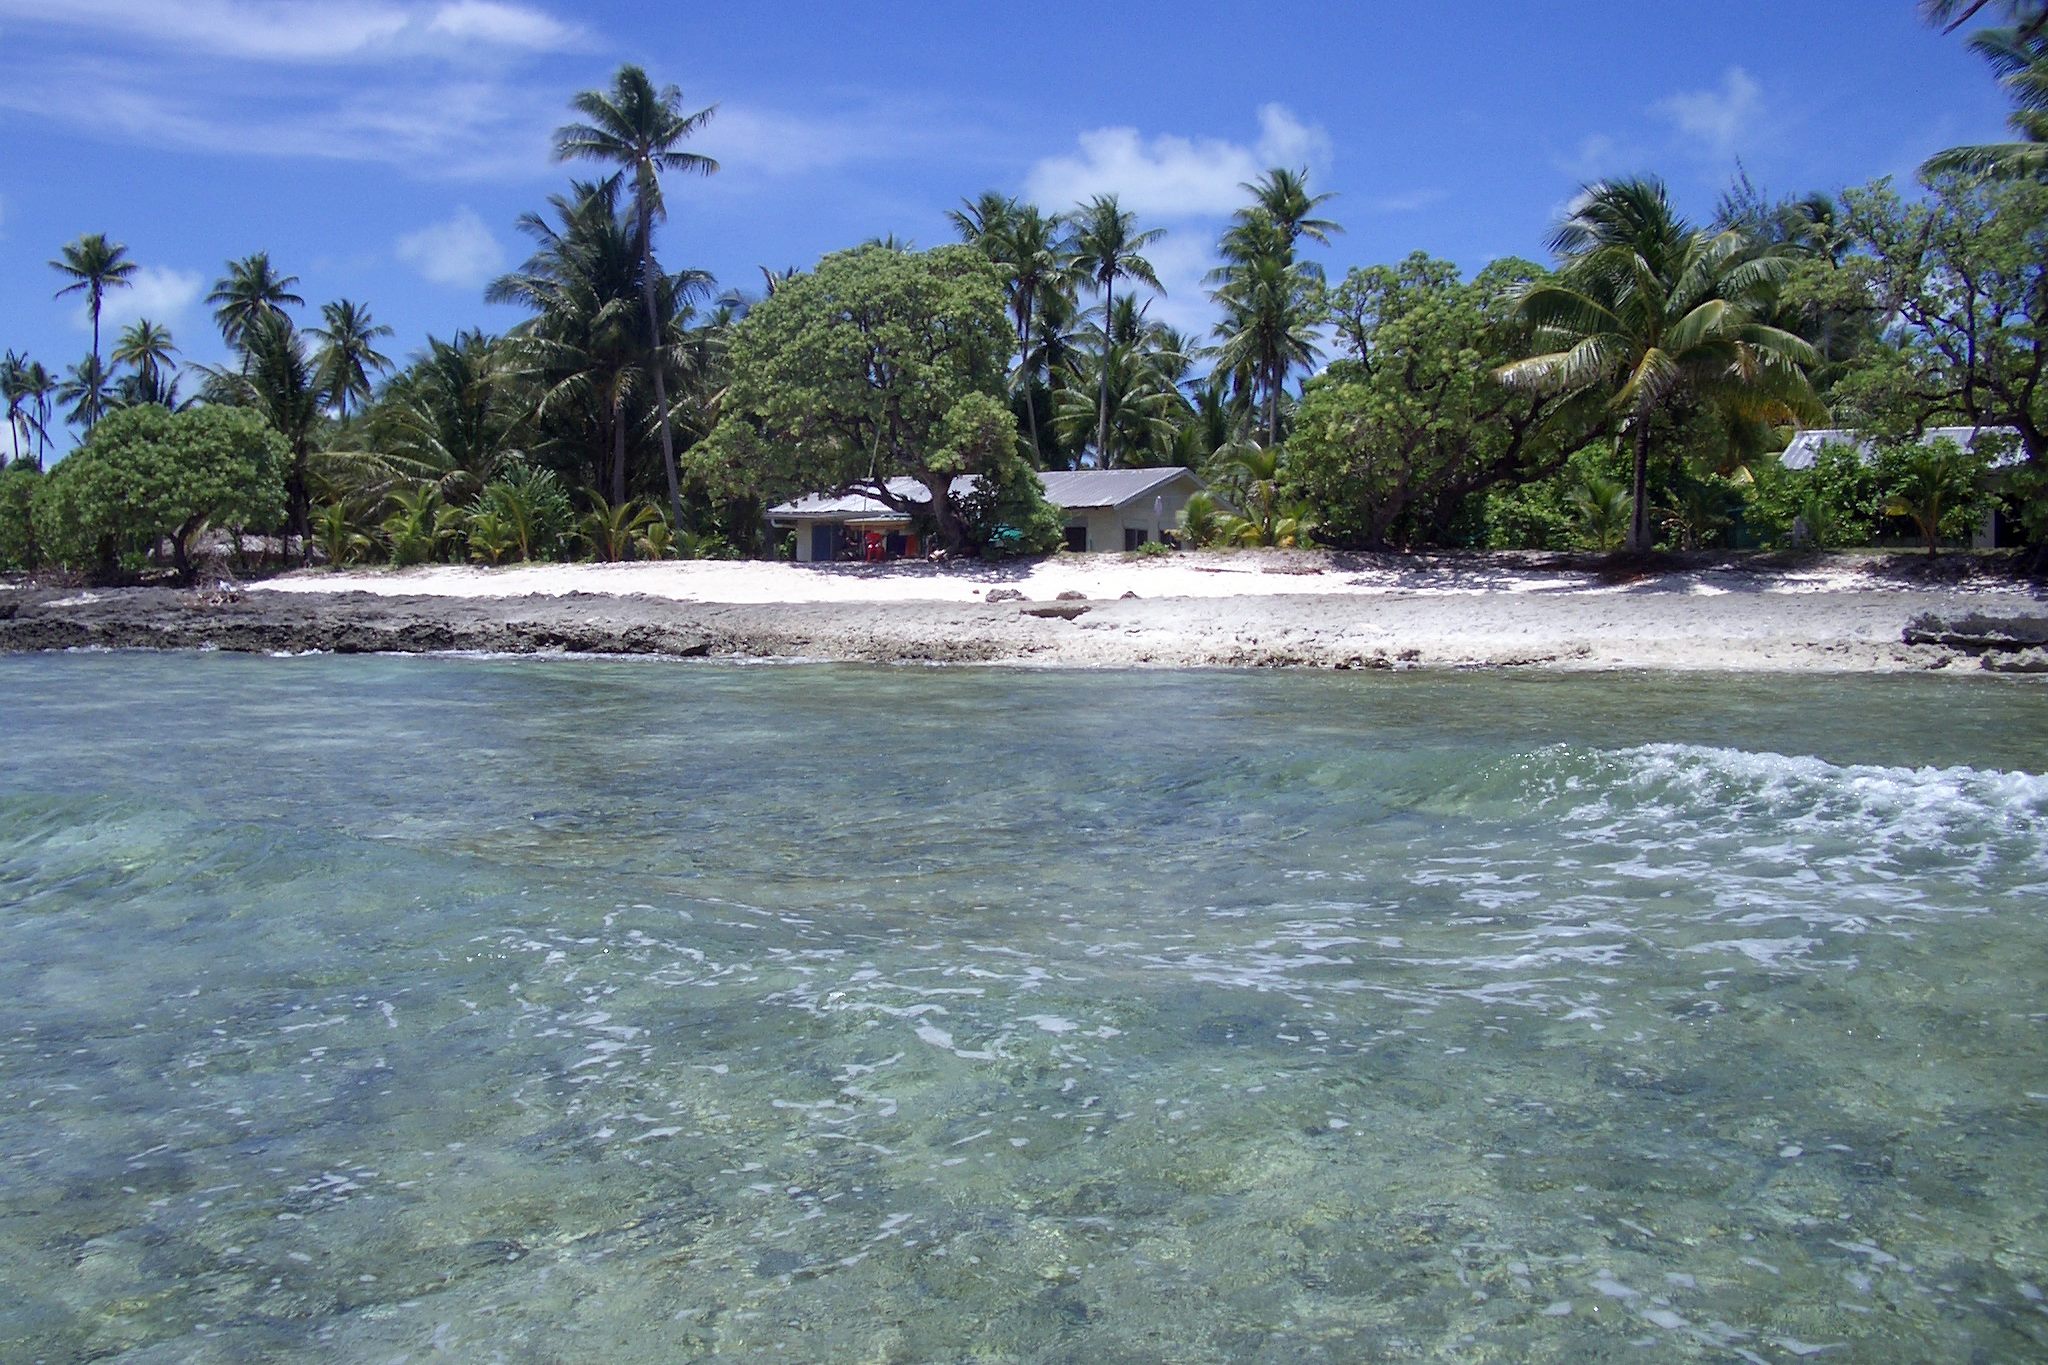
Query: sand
{"type": "Point", "coordinates": [1248, 609]}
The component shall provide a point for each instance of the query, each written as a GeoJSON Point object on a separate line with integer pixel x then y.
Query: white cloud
{"type": "Point", "coordinates": [1169, 176]}
{"type": "Point", "coordinates": [773, 143]}
{"type": "Point", "coordinates": [460, 253]}
{"type": "Point", "coordinates": [456, 128]}
{"type": "Point", "coordinates": [1182, 260]}
{"type": "Point", "coordinates": [156, 292]}
{"type": "Point", "coordinates": [294, 31]}
{"type": "Point", "coordinates": [1717, 119]}
{"type": "Point", "coordinates": [502, 25]}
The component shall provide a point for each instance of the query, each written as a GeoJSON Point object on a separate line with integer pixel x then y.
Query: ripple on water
{"type": "Point", "coordinates": [825, 1013]}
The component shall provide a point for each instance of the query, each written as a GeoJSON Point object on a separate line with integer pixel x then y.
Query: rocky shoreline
{"type": "Point", "coordinates": [1842, 631]}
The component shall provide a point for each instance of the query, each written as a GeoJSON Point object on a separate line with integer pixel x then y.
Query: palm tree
{"type": "Point", "coordinates": [1256, 477]}
{"type": "Point", "coordinates": [982, 221]}
{"type": "Point", "coordinates": [587, 349]}
{"type": "Point", "coordinates": [1282, 196]}
{"type": "Point", "coordinates": [2019, 54]}
{"type": "Point", "coordinates": [2029, 16]}
{"type": "Point", "coordinates": [14, 393]}
{"type": "Point", "coordinates": [87, 388]}
{"type": "Point", "coordinates": [1033, 253]}
{"type": "Point", "coordinates": [1106, 244]}
{"type": "Point", "coordinates": [279, 381]}
{"type": "Point", "coordinates": [1654, 311]}
{"type": "Point", "coordinates": [1271, 307]}
{"type": "Point", "coordinates": [640, 130]}
{"type": "Point", "coordinates": [39, 391]}
{"type": "Point", "coordinates": [94, 265]}
{"type": "Point", "coordinates": [453, 419]}
{"type": "Point", "coordinates": [348, 353]}
{"type": "Point", "coordinates": [147, 347]}
{"type": "Point", "coordinates": [1133, 377]}
{"type": "Point", "coordinates": [251, 289]}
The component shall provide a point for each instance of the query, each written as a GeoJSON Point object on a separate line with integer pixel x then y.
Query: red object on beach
{"type": "Point", "coordinates": [873, 547]}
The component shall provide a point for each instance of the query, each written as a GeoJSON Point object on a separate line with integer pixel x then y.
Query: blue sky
{"type": "Point", "coordinates": [382, 149]}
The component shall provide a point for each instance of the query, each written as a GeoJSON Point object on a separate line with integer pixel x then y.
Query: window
{"type": "Point", "coordinates": [1134, 536]}
{"type": "Point", "coordinates": [1077, 539]}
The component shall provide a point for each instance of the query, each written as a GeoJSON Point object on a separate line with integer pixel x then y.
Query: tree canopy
{"type": "Point", "coordinates": [879, 364]}
{"type": "Point", "coordinates": [148, 474]}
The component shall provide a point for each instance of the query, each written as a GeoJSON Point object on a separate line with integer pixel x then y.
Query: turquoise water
{"type": "Point", "coordinates": [526, 1010]}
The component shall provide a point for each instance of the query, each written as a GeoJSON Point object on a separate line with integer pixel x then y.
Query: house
{"type": "Point", "coordinates": [1106, 509]}
{"type": "Point", "coordinates": [1805, 447]}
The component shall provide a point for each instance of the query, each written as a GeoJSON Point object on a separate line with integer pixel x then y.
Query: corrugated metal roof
{"type": "Point", "coordinates": [1800, 452]}
{"type": "Point", "coordinates": [1076, 488]}
{"type": "Point", "coordinates": [821, 507]}
{"type": "Point", "coordinates": [1068, 489]}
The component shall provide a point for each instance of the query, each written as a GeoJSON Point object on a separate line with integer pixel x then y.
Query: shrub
{"type": "Point", "coordinates": [525, 514]}
{"type": "Point", "coordinates": [1836, 499]}
{"type": "Point", "coordinates": [147, 474]}
{"type": "Point", "coordinates": [1937, 485]}
{"type": "Point", "coordinates": [18, 487]}
{"type": "Point", "coordinates": [417, 526]}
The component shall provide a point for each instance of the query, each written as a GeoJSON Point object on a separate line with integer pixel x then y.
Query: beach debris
{"type": "Point", "coordinates": [1004, 595]}
{"type": "Point", "coordinates": [1070, 595]}
{"type": "Point", "coordinates": [1128, 596]}
{"type": "Point", "coordinates": [1064, 611]}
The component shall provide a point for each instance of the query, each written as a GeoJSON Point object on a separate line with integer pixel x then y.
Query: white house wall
{"type": "Point", "coordinates": [1106, 525]}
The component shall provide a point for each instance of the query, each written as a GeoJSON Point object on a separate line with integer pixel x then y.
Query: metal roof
{"type": "Point", "coordinates": [1800, 453]}
{"type": "Point", "coordinates": [1077, 488]}
{"type": "Point", "coordinates": [1067, 489]}
{"type": "Point", "coordinates": [859, 506]}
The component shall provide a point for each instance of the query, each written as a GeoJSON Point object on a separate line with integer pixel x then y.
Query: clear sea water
{"type": "Point", "coordinates": [368, 1009]}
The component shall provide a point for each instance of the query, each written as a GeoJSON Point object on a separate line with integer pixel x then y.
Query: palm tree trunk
{"type": "Point", "coordinates": [668, 440]}
{"type": "Point", "coordinates": [1102, 387]}
{"type": "Point", "coordinates": [1639, 513]}
{"type": "Point", "coordinates": [1024, 372]}
{"type": "Point", "coordinates": [1272, 410]}
{"type": "Point", "coordinates": [618, 451]}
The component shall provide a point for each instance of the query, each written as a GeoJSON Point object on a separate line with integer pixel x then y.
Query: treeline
{"type": "Point", "coordinates": [1633, 391]}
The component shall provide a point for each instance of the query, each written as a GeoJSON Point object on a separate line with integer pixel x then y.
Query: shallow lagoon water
{"type": "Point", "coordinates": [368, 1008]}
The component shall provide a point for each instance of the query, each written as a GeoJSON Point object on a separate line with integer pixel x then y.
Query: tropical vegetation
{"type": "Point", "coordinates": [1633, 391]}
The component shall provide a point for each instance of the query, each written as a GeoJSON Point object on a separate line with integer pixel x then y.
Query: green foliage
{"type": "Point", "coordinates": [456, 418]}
{"type": "Point", "coordinates": [338, 531]}
{"type": "Point", "coordinates": [1255, 479]}
{"type": "Point", "coordinates": [1153, 549]}
{"type": "Point", "coordinates": [147, 474]}
{"type": "Point", "coordinates": [611, 530]}
{"type": "Point", "coordinates": [850, 376]}
{"type": "Point", "coordinates": [1602, 508]}
{"type": "Point", "coordinates": [489, 536]}
{"type": "Point", "coordinates": [1836, 499]}
{"type": "Point", "coordinates": [1697, 508]}
{"type": "Point", "coordinates": [1652, 315]}
{"type": "Point", "coordinates": [1530, 516]}
{"type": "Point", "coordinates": [525, 513]}
{"type": "Point", "coordinates": [18, 485]}
{"type": "Point", "coordinates": [2026, 498]}
{"type": "Point", "coordinates": [1201, 520]}
{"type": "Point", "coordinates": [1937, 484]}
{"type": "Point", "coordinates": [1964, 273]}
{"type": "Point", "coordinates": [418, 525]}
{"type": "Point", "coordinates": [1390, 445]}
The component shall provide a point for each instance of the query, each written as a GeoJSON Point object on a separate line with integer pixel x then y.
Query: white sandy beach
{"type": "Point", "coordinates": [1840, 613]}
{"type": "Point", "coordinates": [1095, 577]}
